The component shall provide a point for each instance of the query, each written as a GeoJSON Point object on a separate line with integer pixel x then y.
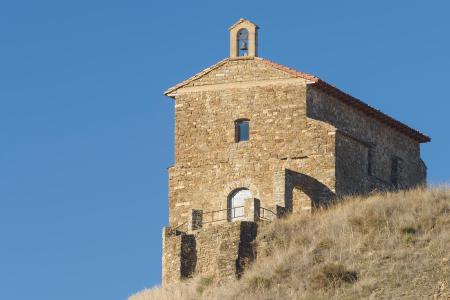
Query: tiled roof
{"type": "Point", "coordinates": [329, 89]}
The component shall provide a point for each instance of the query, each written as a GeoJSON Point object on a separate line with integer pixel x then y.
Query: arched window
{"type": "Point", "coordinates": [242, 42]}
{"type": "Point", "coordinates": [236, 202]}
{"type": "Point", "coordinates": [242, 130]}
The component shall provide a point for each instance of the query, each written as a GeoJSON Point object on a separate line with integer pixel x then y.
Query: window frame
{"type": "Point", "coordinates": [237, 130]}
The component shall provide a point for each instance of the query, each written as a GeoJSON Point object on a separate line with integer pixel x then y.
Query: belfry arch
{"type": "Point", "coordinates": [243, 39]}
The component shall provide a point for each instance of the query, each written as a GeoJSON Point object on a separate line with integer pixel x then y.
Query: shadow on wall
{"type": "Point", "coordinates": [188, 255]}
{"type": "Point", "coordinates": [303, 192]}
{"type": "Point", "coordinates": [247, 249]}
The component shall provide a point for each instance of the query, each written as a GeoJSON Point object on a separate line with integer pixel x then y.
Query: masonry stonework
{"type": "Point", "coordinates": [309, 143]}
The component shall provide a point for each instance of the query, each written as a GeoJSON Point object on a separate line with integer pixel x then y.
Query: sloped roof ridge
{"type": "Point", "coordinates": [288, 70]}
{"type": "Point", "coordinates": [196, 76]}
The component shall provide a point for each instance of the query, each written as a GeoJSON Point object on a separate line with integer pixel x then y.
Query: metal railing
{"type": "Point", "coordinates": [226, 214]}
{"type": "Point", "coordinates": [177, 230]}
{"type": "Point", "coordinates": [267, 214]}
{"type": "Point", "coordinates": [230, 214]}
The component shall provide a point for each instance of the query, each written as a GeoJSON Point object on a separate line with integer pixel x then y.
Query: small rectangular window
{"type": "Point", "coordinates": [242, 130]}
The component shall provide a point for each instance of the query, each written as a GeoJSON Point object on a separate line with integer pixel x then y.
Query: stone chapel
{"type": "Point", "coordinates": [255, 140]}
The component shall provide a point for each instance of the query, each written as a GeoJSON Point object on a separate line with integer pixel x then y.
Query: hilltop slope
{"type": "Point", "coordinates": [384, 246]}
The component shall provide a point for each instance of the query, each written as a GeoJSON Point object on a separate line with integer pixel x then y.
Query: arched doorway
{"type": "Point", "coordinates": [236, 202]}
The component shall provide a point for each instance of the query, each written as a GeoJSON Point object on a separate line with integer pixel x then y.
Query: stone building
{"type": "Point", "coordinates": [254, 140]}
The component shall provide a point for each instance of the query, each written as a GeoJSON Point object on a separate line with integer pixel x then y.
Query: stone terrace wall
{"type": "Point", "coordinates": [225, 249]}
{"type": "Point", "coordinates": [179, 256]}
{"type": "Point", "coordinates": [219, 252]}
{"type": "Point", "coordinates": [171, 259]}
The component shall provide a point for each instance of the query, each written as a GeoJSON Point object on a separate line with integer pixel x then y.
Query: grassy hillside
{"type": "Point", "coordinates": [384, 246]}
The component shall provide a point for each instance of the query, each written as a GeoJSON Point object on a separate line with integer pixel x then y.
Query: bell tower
{"type": "Point", "coordinates": [243, 39]}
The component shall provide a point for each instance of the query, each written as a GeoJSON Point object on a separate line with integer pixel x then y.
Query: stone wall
{"type": "Point", "coordinates": [365, 147]}
{"type": "Point", "coordinates": [179, 256]}
{"type": "Point", "coordinates": [223, 249]}
{"type": "Point", "coordinates": [171, 261]}
{"type": "Point", "coordinates": [218, 252]}
{"type": "Point", "coordinates": [209, 164]}
{"type": "Point", "coordinates": [352, 165]}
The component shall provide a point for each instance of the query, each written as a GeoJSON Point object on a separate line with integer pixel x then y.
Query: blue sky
{"type": "Point", "coordinates": [86, 133]}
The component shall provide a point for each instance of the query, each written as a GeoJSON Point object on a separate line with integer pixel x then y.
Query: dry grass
{"type": "Point", "coordinates": [384, 246]}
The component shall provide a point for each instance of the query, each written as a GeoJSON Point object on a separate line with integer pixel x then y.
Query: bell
{"type": "Point", "coordinates": [243, 46]}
